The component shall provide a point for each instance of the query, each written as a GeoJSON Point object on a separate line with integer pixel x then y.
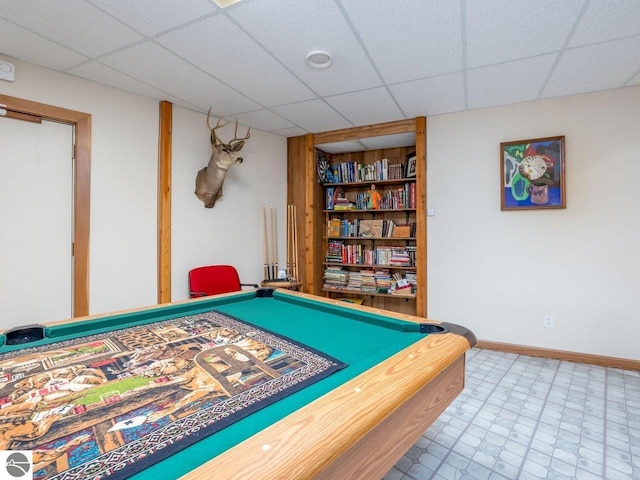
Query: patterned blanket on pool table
{"type": "Point", "coordinates": [108, 406]}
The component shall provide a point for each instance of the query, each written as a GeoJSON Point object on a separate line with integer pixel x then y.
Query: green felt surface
{"type": "Point", "coordinates": [358, 339]}
{"type": "Point", "coordinates": [361, 341]}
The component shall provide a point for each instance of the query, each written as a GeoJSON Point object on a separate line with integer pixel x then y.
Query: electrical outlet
{"type": "Point", "coordinates": [548, 321]}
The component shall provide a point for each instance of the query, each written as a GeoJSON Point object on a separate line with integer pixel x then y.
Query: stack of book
{"type": "Point", "coordinates": [383, 280]}
{"type": "Point", "coordinates": [334, 252]}
{"type": "Point", "coordinates": [355, 281]}
{"type": "Point", "coordinates": [335, 277]}
{"type": "Point", "coordinates": [368, 280]}
{"type": "Point", "coordinates": [400, 258]}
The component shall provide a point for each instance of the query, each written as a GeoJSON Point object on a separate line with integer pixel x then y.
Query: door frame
{"type": "Point", "coordinates": [81, 122]}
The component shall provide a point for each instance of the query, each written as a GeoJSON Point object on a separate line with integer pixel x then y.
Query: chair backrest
{"type": "Point", "coordinates": [213, 279]}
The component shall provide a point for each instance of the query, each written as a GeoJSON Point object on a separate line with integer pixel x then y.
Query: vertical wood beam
{"type": "Point", "coordinates": [301, 192]}
{"type": "Point", "coordinates": [82, 209]}
{"type": "Point", "coordinates": [421, 215]}
{"type": "Point", "coordinates": [164, 202]}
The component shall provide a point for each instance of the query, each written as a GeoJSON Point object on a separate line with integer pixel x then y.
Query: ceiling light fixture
{"type": "Point", "coordinates": [319, 59]}
{"type": "Point", "coordinates": [225, 3]}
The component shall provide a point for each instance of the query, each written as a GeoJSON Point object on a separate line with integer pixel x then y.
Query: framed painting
{"type": "Point", "coordinates": [410, 166]}
{"type": "Point", "coordinates": [532, 174]}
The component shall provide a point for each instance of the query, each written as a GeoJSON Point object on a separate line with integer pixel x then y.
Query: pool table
{"type": "Point", "coordinates": [402, 372]}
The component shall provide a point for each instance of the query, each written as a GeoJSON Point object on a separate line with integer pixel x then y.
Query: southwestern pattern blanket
{"type": "Point", "coordinates": [110, 405]}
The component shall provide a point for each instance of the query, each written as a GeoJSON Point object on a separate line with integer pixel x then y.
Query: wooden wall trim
{"type": "Point", "coordinates": [603, 361]}
{"type": "Point", "coordinates": [164, 202]}
{"type": "Point", "coordinates": [420, 127]}
{"type": "Point", "coordinates": [354, 133]}
{"type": "Point", "coordinates": [81, 123]}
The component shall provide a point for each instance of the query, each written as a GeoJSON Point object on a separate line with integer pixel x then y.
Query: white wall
{"type": "Point", "coordinates": [124, 172]}
{"type": "Point", "coordinates": [499, 273]}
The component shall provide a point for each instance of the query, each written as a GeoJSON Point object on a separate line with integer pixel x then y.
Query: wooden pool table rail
{"type": "Point", "coordinates": [360, 429]}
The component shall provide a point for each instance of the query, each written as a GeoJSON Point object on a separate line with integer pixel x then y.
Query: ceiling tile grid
{"type": "Point", "coordinates": [33, 48]}
{"type": "Point", "coordinates": [289, 30]}
{"type": "Point", "coordinates": [367, 106]}
{"type": "Point", "coordinates": [228, 54]}
{"type": "Point", "coordinates": [391, 59]}
{"type": "Point", "coordinates": [505, 30]}
{"type": "Point", "coordinates": [424, 43]}
{"type": "Point", "coordinates": [151, 17]}
{"type": "Point", "coordinates": [511, 82]}
{"type": "Point", "coordinates": [431, 96]}
{"type": "Point", "coordinates": [313, 115]}
{"type": "Point", "coordinates": [607, 20]}
{"type": "Point", "coordinates": [100, 73]}
{"type": "Point", "coordinates": [151, 63]}
{"type": "Point", "coordinates": [75, 24]}
{"type": "Point", "coordinates": [597, 67]}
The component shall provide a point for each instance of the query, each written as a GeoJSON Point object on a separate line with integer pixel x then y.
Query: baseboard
{"type": "Point", "coordinates": [612, 362]}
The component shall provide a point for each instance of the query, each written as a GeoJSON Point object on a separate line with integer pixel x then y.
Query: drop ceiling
{"type": "Point", "coordinates": [391, 59]}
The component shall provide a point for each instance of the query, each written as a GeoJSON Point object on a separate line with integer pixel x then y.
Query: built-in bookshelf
{"type": "Point", "coordinates": [362, 243]}
{"type": "Point", "coordinates": [370, 235]}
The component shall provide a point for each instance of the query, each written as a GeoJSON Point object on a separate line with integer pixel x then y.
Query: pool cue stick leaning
{"type": "Point", "coordinates": [275, 243]}
{"type": "Point", "coordinates": [273, 250]}
{"type": "Point", "coordinates": [295, 243]}
{"type": "Point", "coordinates": [288, 266]}
{"type": "Point", "coordinates": [266, 243]}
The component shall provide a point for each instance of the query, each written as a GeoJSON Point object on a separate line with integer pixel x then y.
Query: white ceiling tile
{"type": "Point", "coordinates": [105, 75]}
{"type": "Point", "coordinates": [367, 106]}
{"type": "Point", "coordinates": [312, 115]}
{"type": "Point", "coordinates": [410, 39]}
{"type": "Point", "coordinates": [607, 20]}
{"type": "Point", "coordinates": [506, 83]}
{"type": "Point", "coordinates": [290, 132]}
{"type": "Point", "coordinates": [161, 69]}
{"type": "Point", "coordinates": [309, 25]}
{"type": "Point", "coordinates": [596, 67]}
{"type": "Point", "coordinates": [396, 140]}
{"type": "Point", "coordinates": [504, 30]}
{"type": "Point", "coordinates": [264, 120]}
{"type": "Point", "coordinates": [220, 48]}
{"type": "Point", "coordinates": [72, 23]}
{"type": "Point", "coordinates": [32, 48]}
{"type": "Point", "coordinates": [341, 147]}
{"type": "Point", "coordinates": [154, 16]}
{"type": "Point", "coordinates": [431, 96]}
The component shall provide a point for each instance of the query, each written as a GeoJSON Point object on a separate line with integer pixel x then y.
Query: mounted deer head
{"type": "Point", "coordinates": [210, 179]}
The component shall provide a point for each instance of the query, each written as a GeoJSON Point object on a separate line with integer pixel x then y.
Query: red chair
{"type": "Point", "coordinates": [215, 279]}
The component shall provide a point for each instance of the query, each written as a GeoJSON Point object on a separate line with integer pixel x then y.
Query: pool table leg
{"type": "Point", "coordinates": [374, 455]}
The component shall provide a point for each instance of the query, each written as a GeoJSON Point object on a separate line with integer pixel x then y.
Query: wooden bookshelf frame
{"type": "Point", "coordinates": [304, 191]}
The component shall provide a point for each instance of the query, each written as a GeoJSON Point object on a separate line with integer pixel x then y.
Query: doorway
{"type": "Point", "coordinates": [80, 124]}
{"type": "Point", "coordinates": [36, 199]}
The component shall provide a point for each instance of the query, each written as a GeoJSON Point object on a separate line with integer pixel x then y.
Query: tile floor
{"type": "Point", "coordinates": [529, 418]}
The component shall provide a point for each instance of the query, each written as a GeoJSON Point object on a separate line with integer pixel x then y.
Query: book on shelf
{"type": "Point", "coordinates": [333, 228]}
{"type": "Point", "coordinates": [401, 231]}
{"type": "Point", "coordinates": [329, 192]}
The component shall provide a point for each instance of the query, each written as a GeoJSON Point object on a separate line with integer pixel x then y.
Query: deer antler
{"type": "Point", "coordinates": [214, 138]}
{"type": "Point", "coordinates": [235, 135]}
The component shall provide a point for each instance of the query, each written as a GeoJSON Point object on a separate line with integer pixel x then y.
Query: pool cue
{"type": "Point", "coordinates": [273, 253]}
{"type": "Point", "coordinates": [290, 241]}
{"type": "Point", "coordinates": [266, 243]}
{"type": "Point", "coordinates": [275, 242]}
{"type": "Point", "coordinates": [287, 242]}
{"type": "Point", "coordinates": [295, 243]}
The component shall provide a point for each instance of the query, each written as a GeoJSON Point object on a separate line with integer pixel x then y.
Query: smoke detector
{"type": "Point", "coordinates": [319, 59]}
{"type": "Point", "coordinates": [7, 71]}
